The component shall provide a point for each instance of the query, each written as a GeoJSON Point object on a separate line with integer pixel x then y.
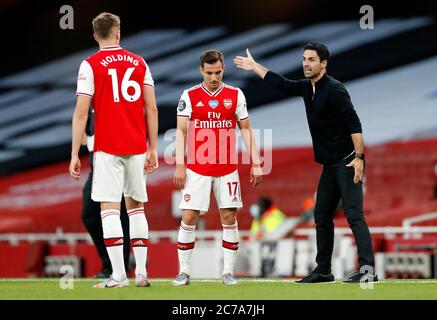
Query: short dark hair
{"type": "Point", "coordinates": [104, 23]}
{"type": "Point", "coordinates": [321, 49]}
{"type": "Point", "coordinates": [211, 56]}
{"type": "Point", "coordinates": [265, 203]}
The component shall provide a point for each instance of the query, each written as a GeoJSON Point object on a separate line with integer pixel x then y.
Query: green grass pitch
{"type": "Point", "coordinates": [247, 289]}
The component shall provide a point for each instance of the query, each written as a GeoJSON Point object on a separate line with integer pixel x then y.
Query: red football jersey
{"type": "Point", "coordinates": [211, 131]}
{"type": "Point", "coordinates": [114, 78]}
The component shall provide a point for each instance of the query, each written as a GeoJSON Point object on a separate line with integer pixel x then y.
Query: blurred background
{"type": "Point", "coordinates": [389, 68]}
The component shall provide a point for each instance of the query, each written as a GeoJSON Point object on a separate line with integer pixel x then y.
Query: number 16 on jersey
{"type": "Point", "coordinates": [126, 83]}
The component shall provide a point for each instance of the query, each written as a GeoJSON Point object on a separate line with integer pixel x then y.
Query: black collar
{"type": "Point", "coordinates": [322, 80]}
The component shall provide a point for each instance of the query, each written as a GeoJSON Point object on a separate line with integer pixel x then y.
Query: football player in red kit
{"type": "Point", "coordinates": [207, 115]}
{"type": "Point", "coordinates": [120, 86]}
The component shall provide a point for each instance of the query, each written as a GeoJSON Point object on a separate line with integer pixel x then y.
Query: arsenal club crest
{"type": "Point", "coordinates": [187, 197]}
{"type": "Point", "coordinates": [227, 103]}
{"type": "Point", "coordinates": [213, 103]}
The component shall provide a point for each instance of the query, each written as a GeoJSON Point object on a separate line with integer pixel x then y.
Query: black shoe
{"type": "Point", "coordinates": [104, 274]}
{"type": "Point", "coordinates": [315, 277]}
{"type": "Point", "coordinates": [359, 277]}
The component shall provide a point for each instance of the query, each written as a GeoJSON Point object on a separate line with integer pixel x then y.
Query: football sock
{"type": "Point", "coordinates": [186, 239]}
{"type": "Point", "coordinates": [230, 247]}
{"type": "Point", "coordinates": [139, 234]}
{"type": "Point", "coordinates": [113, 235]}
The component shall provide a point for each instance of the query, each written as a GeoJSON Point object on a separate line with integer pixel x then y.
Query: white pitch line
{"type": "Point", "coordinates": [388, 281]}
{"type": "Point", "coordinates": [152, 279]}
{"type": "Point", "coordinates": [293, 280]}
{"type": "Point", "coordinates": [239, 280]}
{"type": "Point", "coordinates": [407, 282]}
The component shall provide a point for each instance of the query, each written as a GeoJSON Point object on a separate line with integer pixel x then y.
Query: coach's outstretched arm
{"type": "Point", "coordinates": [292, 87]}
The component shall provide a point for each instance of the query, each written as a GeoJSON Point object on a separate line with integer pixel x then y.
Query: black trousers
{"type": "Point", "coordinates": [93, 223]}
{"type": "Point", "coordinates": [336, 182]}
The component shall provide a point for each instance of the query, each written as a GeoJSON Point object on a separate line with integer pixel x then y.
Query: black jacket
{"type": "Point", "coordinates": [330, 113]}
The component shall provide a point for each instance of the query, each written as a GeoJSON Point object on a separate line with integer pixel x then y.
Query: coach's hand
{"type": "Point", "coordinates": [180, 176]}
{"type": "Point", "coordinates": [75, 167]}
{"type": "Point", "coordinates": [248, 63]}
{"type": "Point", "coordinates": [358, 165]}
{"type": "Point", "coordinates": [255, 175]}
{"type": "Point", "coordinates": [245, 63]}
{"type": "Point", "coordinates": [151, 161]}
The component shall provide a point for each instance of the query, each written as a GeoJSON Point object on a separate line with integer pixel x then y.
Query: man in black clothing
{"type": "Point", "coordinates": [338, 145]}
{"type": "Point", "coordinates": [91, 212]}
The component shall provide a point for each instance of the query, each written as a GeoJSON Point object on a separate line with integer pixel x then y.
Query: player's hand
{"type": "Point", "coordinates": [180, 176]}
{"type": "Point", "coordinates": [75, 167]}
{"type": "Point", "coordinates": [255, 175]}
{"type": "Point", "coordinates": [245, 63]}
{"type": "Point", "coordinates": [358, 165]}
{"type": "Point", "coordinates": [151, 161]}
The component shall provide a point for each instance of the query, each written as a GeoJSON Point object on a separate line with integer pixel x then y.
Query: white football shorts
{"type": "Point", "coordinates": [197, 191]}
{"type": "Point", "coordinates": [115, 176]}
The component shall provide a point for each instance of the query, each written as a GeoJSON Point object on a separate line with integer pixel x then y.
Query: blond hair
{"type": "Point", "coordinates": [104, 24]}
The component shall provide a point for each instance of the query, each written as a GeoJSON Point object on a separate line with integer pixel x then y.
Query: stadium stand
{"type": "Point", "coordinates": [35, 110]}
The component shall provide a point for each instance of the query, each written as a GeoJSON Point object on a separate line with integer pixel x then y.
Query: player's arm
{"type": "Point", "coordinates": [84, 92]}
{"type": "Point", "coordinates": [80, 118]}
{"type": "Point", "coordinates": [251, 147]}
{"type": "Point", "coordinates": [151, 113]}
{"type": "Point", "coordinates": [181, 138]}
{"type": "Point", "coordinates": [248, 138]}
{"type": "Point", "coordinates": [83, 142]}
{"type": "Point", "coordinates": [152, 128]}
{"type": "Point", "coordinates": [292, 87]}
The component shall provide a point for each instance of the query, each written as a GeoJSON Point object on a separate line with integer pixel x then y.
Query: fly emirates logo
{"type": "Point", "coordinates": [213, 122]}
{"type": "Point", "coordinates": [119, 57]}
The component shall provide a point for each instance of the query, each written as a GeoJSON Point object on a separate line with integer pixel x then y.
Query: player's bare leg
{"type": "Point", "coordinates": [139, 235]}
{"type": "Point", "coordinates": [186, 239]}
{"type": "Point", "coordinates": [230, 244]}
{"type": "Point", "coordinates": [113, 235]}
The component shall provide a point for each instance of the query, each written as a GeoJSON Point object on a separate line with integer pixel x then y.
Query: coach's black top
{"type": "Point", "coordinates": [330, 113]}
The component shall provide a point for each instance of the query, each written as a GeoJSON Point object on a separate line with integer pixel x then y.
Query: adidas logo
{"type": "Point", "coordinates": [138, 243]}
{"type": "Point", "coordinates": [200, 104]}
{"type": "Point", "coordinates": [235, 199]}
{"type": "Point", "coordinates": [119, 241]}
